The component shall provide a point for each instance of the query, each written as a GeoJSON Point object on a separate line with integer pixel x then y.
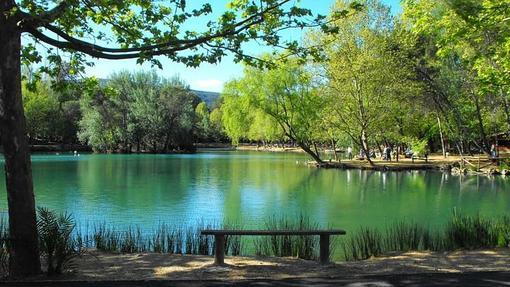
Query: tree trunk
{"type": "Point", "coordinates": [507, 110]}
{"type": "Point", "coordinates": [24, 251]}
{"type": "Point", "coordinates": [441, 136]}
{"type": "Point", "coordinates": [483, 134]}
{"type": "Point", "coordinates": [316, 150]}
{"type": "Point", "coordinates": [309, 151]}
{"type": "Point", "coordinates": [167, 142]}
{"type": "Point", "coordinates": [364, 147]}
{"type": "Point", "coordinates": [333, 146]}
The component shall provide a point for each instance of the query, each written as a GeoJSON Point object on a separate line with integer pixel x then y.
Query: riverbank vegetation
{"type": "Point", "coordinates": [62, 241]}
{"type": "Point", "coordinates": [461, 232]}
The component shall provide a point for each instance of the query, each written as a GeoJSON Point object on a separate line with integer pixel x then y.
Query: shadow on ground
{"type": "Point", "coordinates": [463, 268]}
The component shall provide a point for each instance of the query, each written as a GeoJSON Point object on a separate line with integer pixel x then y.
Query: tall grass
{"type": "Point", "coordinates": [164, 239]}
{"type": "Point", "coordinates": [461, 232]}
{"type": "Point", "coordinates": [305, 247]}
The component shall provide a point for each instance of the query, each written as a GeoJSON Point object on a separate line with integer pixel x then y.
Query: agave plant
{"type": "Point", "coordinates": [56, 242]}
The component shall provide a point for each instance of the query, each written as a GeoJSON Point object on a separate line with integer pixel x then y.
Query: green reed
{"type": "Point", "coordinates": [461, 232]}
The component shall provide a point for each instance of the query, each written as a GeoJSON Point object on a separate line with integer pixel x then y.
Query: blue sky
{"type": "Point", "coordinates": [207, 77]}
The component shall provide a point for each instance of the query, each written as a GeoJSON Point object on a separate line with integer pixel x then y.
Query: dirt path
{"type": "Point", "coordinates": [99, 266]}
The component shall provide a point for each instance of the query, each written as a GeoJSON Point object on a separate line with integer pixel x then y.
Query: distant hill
{"type": "Point", "coordinates": [208, 97]}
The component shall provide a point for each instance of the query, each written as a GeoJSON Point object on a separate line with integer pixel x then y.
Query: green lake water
{"type": "Point", "coordinates": [248, 188]}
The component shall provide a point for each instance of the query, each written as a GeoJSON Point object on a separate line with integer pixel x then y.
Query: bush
{"type": "Point", "coordinates": [56, 241]}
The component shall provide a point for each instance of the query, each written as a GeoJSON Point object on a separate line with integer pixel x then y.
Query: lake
{"type": "Point", "coordinates": [250, 187]}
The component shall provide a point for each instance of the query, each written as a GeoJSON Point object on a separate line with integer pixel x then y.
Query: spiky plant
{"type": "Point", "coordinates": [55, 239]}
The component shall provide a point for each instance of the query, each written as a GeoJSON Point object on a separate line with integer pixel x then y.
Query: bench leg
{"type": "Point", "coordinates": [324, 248]}
{"type": "Point", "coordinates": [219, 254]}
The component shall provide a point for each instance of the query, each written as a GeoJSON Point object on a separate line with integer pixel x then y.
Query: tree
{"type": "Point", "coordinates": [363, 74]}
{"type": "Point", "coordinates": [139, 109]}
{"type": "Point", "coordinates": [137, 30]}
{"type": "Point", "coordinates": [41, 111]}
{"type": "Point", "coordinates": [216, 124]}
{"type": "Point", "coordinates": [204, 126]}
{"type": "Point", "coordinates": [285, 93]}
{"type": "Point", "coordinates": [99, 124]}
{"type": "Point", "coordinates": [236, 113]}
{"type": "Point", "coordinates": [468, 43]}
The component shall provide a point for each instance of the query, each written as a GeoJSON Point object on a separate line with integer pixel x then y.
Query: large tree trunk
{"type": "Point", "coordinates": [24, 251]}
{"type": "Point", "coordinates": [309, 151]}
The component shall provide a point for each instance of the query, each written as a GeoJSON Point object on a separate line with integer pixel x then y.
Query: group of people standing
{"type": "Point", "coordinates": [386, 154]}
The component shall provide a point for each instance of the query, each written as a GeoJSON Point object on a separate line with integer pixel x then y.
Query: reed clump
{"type": "Point", "coordinates": [304, 247]}
{"type": "Point", "coordinates": [461, 232]}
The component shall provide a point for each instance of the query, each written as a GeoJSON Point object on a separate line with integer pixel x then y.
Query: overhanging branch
{"type": "Point", "coordinates": [170, 46]}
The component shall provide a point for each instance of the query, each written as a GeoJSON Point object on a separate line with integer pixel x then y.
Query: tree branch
{"type": "Point", "coordinates": [148, 50]}
{"type": "Point", "coordinates": [99, 54]}
{"type": "Point", "coordinates": [53, 14]}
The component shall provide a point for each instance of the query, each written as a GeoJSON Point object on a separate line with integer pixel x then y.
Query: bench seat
{"type": "Point", "coordinates": [219, 239]}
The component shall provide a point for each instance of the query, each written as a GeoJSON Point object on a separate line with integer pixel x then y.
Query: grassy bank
{"type": "Point", "coordinates": [461, 232]}
{"type": "Point", "coordinates": [174, 239]}
{"type": "Point", "coordinates": [61, 240]}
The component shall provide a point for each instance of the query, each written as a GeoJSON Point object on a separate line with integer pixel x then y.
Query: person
{"type": "Point", "coordinates": [385, 153]}
{"type": "Point", "coordinates": [494, 152]}
{"type": "Point", "coordinates": [349, 152]}
{"type": "Point", "coordinates": [388, 153]}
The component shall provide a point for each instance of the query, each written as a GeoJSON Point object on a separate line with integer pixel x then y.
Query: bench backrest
{"type": "Point", "coordinates": [272, 232]}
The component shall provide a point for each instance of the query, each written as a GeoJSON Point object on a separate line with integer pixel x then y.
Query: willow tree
{"type": "Point", "coordinates": [111, 29]}
{"type": "Point", "coordinates": [289, 99]}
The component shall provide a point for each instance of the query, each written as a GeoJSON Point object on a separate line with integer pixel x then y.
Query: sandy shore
{"type": "Point", "coordinates": [151, 266]}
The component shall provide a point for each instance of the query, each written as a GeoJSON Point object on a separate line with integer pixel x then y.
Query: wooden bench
{"type": "Point", "coordinates": [219, 239]}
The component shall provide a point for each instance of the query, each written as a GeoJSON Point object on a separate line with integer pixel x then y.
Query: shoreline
{"type": "Point", "coordinates": [434, 162]}
{"type": "Point", "coordinates": [448, 166]}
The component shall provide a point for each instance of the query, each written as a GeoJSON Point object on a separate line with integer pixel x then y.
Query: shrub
{"type": "Point", "coordinates": [55, 239]}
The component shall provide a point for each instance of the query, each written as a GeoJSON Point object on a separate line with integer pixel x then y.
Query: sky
{"type": "Point", "coordinates": [207, 77]}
